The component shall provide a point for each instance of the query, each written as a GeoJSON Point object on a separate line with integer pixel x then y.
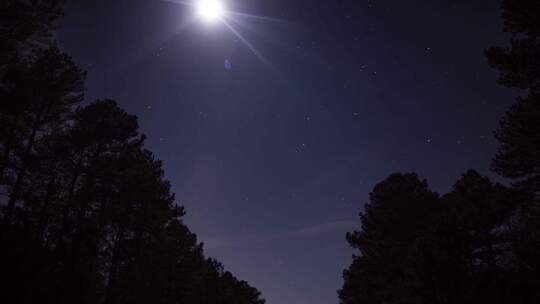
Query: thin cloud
{"type": "Point", "coordinates": [211, 242]}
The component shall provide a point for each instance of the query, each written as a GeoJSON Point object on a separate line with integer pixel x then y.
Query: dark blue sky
{"type": "Point", "coordinates": [274, 157]}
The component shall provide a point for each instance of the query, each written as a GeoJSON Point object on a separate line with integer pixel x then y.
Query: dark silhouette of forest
{"type": "Point", "coordinates": [479, 243]}
{"type": "Point", "coordinates": [87, 216]}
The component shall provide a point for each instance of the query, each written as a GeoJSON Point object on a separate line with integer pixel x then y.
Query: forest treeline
{"type": "Point", "coordinates": [479, 243]}
{"type": "Point", "coordinates": [87, 217]}
{"type": "Point", "coordinates": [86, 214]}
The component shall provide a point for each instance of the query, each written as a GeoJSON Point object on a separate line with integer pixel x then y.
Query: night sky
{"type": "Point", "coordinates": [273, 143]}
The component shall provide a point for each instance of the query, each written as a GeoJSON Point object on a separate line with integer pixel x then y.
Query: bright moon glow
{"type": "Point", "coordinates": [210, 10]}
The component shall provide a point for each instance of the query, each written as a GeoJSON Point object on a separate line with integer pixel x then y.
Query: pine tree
{"type": "Point", "coordinates": [39, 98]}
{"type": "Point", "coordinates": [518, 157]}
{"type": "Point", "coordinates": [400, 210]}
{"type": "Point", "coordinates": [26, 25]}
{"type": "Point", "coordinates": [89, 216]}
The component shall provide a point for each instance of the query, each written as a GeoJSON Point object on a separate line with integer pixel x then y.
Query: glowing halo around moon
{"type": "Point", "coordinates": [215, 11]}
{"type": "Point", "coordinates": [210, 10]}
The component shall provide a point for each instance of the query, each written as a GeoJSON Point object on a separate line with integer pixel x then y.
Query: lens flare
{"type": "Point", "coordinates": [210, 10]}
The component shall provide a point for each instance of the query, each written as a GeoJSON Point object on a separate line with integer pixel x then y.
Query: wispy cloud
{"type": "Point", "coordinates": [214, 242]}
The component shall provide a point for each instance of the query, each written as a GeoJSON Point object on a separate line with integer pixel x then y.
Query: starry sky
{"type": "Point", "coordinates": [272, 142]}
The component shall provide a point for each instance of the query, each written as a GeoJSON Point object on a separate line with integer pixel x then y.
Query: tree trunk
{"type": "Point", "coordinates": [5, 164]}
{"type": "Point", "coordinates": [17, 187]}
{"type": "Point", "coordinates": [90, 182]}
{"type": "Point", "coordinates": [43, 217]}
{"type": "Point", "coordinates": [65, 210]}
{"type": "Point", "coordinates": [113, 268]}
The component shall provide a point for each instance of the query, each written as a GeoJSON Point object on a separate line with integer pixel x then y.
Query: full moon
{"type": "Point", "coordinates": [210, 10]}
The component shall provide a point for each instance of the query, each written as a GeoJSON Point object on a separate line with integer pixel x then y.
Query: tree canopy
{"type": "Point", "coordinates": [86, 215]}
{"type": "Point", "coordinates": [518, 157]}
{"type": "Point", "coordinates": [479, 243]}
